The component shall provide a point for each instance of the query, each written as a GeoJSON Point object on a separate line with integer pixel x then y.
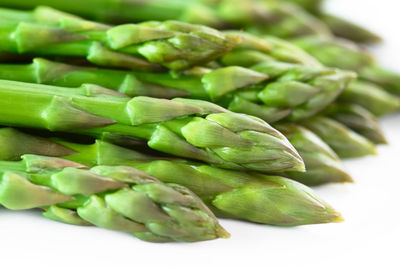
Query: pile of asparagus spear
{"type": "Point", "coordinates": [155, 117]}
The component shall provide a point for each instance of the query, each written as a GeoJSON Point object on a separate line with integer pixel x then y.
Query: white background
{"type": "Point", "coordinates": [369, 236]}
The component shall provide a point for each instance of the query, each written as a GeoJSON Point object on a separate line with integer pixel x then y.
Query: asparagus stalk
{"type": "Point", "coordinates": [339, 26]}
{"type": "Point", "coordinates": [271, 91]}
{"type": "Point", "coordinates": [117, 12]}
{"type": "Point", "coordinates": [183, 127]}
{"type": "Point", "coordinates": [322, 164]}
{"type": "Point", "coordinates": [371, 97]}
{"type": "Point", "coordinates": [282, 19]}
{"type": "Point", "coordinates": [349, 30]}
{"type": "Point", "coordinates": [256, 50]}
{"type": "Point", "coordinates": [146, 46]}
{"type": "Point", "coordinates": [313, 6]}
{"type": "Point", "coordinates": [345, 142]}
{"type": "Point", "coordinates": [244, 195]}
{"type": "Point", "coordinates": [113, 197]}
{"type": "Point", "coordinates": [359, 120]}
{"type": "Point", "coordinates": [347, 55]}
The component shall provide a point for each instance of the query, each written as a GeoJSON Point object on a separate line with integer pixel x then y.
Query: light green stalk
{"type": "Point", "coordinates": [183, 127]}
{"type": "Point", "coordinates": [270, 16]}
{"type": "Point", "coordinates": [349, 30]}
{"type": "Point", "coordinates": [347, 55]}
{"type": "Point", "coordinates": [117, 198]}
{"type": "Point", "coordinates": [117, 11]}
{"type": "Point", "coordinates": [345, 142]}
{"type": "Point", "coordinates": [271, 90]}
{"type": "Point", "coordinates": [313, 6]}
{"type": "Point", "coordinates": [244, 195]}
{"type": "Point", "coordinates": [276, 17]}
{"type": "Point", "coordinates": [339, 26]}
{"type": "Point", "coordinates": [371, 97]}
{"type": "Point", "coordinates": [359, 120]}
{"type": "Point", "coordinates": [322, 164]}
{"type": "Point", "coordinates": [145, 46]}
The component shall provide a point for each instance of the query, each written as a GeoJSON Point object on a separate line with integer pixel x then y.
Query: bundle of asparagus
{"type": "Point", "coordinates": [158, 99]}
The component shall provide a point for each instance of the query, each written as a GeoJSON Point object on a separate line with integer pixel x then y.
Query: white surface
{"type": "Point", "coordinates": [369, 236]}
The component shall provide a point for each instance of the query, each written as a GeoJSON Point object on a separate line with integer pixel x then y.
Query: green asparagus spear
{"type": "Point", "coordinates": [255, 49]}
{"type": "Point", "coordinates": [117, 12]}
{"type": "Point", "coordinates": [371, 97]}
{"type": "Point", "coordinates": [146, 46]}
{"type": "Point", "coordinates": [345, 142]}
{"type": "Point", "coordinates": [322, 164]}
{"type": "Point", "coordinates": [349, 30]}
{"type": "Point", "coordinates": [184, 127]}
{"type": "Point", "coordinates": [250, 196]}
{"type": "Point", "coordinates": [282, 19]}
{"type": "Point", "coordinates": [339, 26]}
{"type": "Point", "coordinates": [271, 90]}
{"type": "Point", "coordinates": [273, 17]}
{"type": "Point", "coordinates": [347, 55]}
{"type": "Point", "coordinates": [313, 6]}
{"type": "Point", "coordinates": [113, 197]}
{"type": "Point", "coordinates": [359, 120]}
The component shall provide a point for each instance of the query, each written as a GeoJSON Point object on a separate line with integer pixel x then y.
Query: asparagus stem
{"type": "Point", "coordinates": [113, 197]}
{"type": "Point", "coordinates": [245, 195]}
{"type": "Point", "coordinates": [190, 128]}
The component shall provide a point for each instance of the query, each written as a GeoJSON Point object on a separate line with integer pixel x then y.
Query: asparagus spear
{"type": "Point", "coordinates": [322, 164]}
{"type": "Point", "coordinates": [349, 30]}
{"type": "Point", "coordinates": [256, 50]}
{"type": "Point", "coordinates": [339, 26]}
{"type": "Point", "coordinates": [359, 120]}
{"type": "Point", "coordinates": [271, 90]}
{"type": "Point", "coordinates": [146, 46]}
{"type": "Point", "coordinates": [117, 12]}
{"type": "Point", "coordinates": [371, 97]}
{"type": "Point", "coordinates": [282, 19]}
{"type": "Point", "coordinates": [313, 6]}
{"type": "Point", "coordinates": [347, 55]}
{"type": "Point", "coordinates": [250, 196]}
{"type": "Point", "coordinates": [345, 142]}
{"type": "Point", "coordinates": [184, 127]}
{"type": "Point", "coordinates": [113, 197]}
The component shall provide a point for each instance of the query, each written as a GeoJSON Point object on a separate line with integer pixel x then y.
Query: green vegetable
{"type": "Point", "coordinates": [276, 17]}
{"type": "Point", "coordinates": [349, 30]}
{"type": "Point", "coordinates": [359, 120]}
{"type": "Point", "coordinates": [371, 97]}
{"type": "Point", "coordinates": [113, 197]}
{"type": "Point", "coordinates": [345, 142]}
{"type": "Point", "coordinates": [183, 127]}
{"type": "Point", "coordinates": [271, 91]}
{"type": "Point", "coordinates": [347, 55]}
{"type": "Point", "coordinates": [244, 195]}
{"type": "Point", "coordinates": [322, 164]}
{"type": "Point", "coordinates": [145, 46]}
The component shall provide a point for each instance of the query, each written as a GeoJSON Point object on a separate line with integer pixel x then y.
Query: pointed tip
{"type": "Point", "coordinates": [339, 218]}
{"type": "Point", "coordinates": [348, 179]}
{"type": "Point", "coordinates": [221, 232]}
{"type": "Point", "coordinates": [299, 166]}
